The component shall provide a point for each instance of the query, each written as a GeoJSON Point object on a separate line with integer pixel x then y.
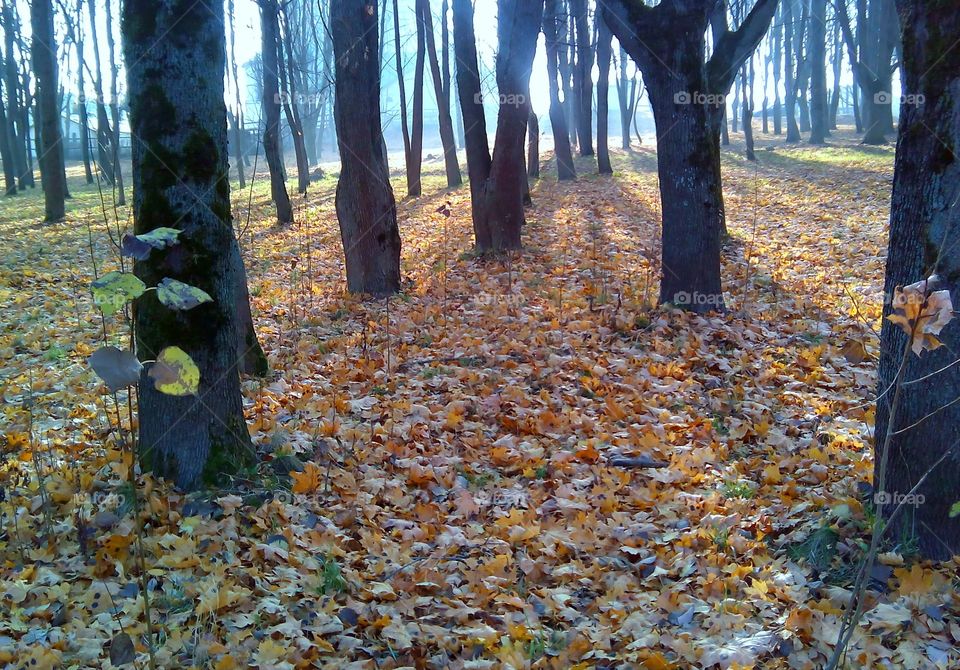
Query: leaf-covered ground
{"type": "Point", "coordinates": [467, 496]}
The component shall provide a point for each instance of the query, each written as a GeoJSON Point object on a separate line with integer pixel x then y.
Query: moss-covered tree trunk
{"type": "Point", "coordinates": [176, 54]}
{"type": "Point", "coordinates": [558, 120]}
{"type": "Point", "coordinates": [50, 151]}
{"type": "Point", "coordinates": [924, 241]}
{"type": "Point", "coordinates": [365, 204]}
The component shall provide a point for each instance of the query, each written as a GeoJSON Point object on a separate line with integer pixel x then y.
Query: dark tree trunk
{"type": "Point", "coordinates": [6, 152]}
{"type": "Point", "coordinates": [518, 26]}
{"type": "Point", "coordinates": [104, 134]}
{"type": "Point", "coordinates": [625, 102]}
{"type": "Point", "coordinates": [404, 127]}
{"type": "Point", "coordinates": [533, 145]}
{"type": "Point", "coordinates": [686, 94]}
{"type": "Point", "coordinates": [50, 151]}
{"type": "Point", "coordinates": [443, 97]}
{"type": "Point", "coordinates": [75, 32]}
{"type": "Point", "coordinates": [235, 117]}
{"type": "Point", "coordinates": [415, 166]}
{"type": "Point", "coordinates": [924, 421]}
{"type": "Point", "coordinates": [818, 72]}
{"type": "Point", "coordinates": [837, 63]}
{"type": "Point", "coordinates": [604, 53]}
{"type": "Point", "coordinates": [558, 120]}
{"type": "Point", "coordinates": [17, 130]}
{"type": "Point", "coordinates": [791, 30]}
{"type": "Point", "coordinates": [474, 120]}
{"type": "Point", "coordinates": [565, 62]}
{"type": "Point", "coordinates": [114, 107]}
{"type": "Point", "coordinates": [365, 205]}
{"type": "Point", "coordinates": [747, 110]}
{"type": "Point", "coordinates": [177, 111]}
{"type": "Point", "coordinates": [777, 65]}
{"type": "Point", "coordinates": [269, 12]}
{"type": "Point", "coordinates": [583, 77]}
{"type": "Point", "coordinates": [291, 105]}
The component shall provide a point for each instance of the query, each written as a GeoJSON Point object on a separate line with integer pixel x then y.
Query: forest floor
{"type": "Point", "coordinates": [467, 497]}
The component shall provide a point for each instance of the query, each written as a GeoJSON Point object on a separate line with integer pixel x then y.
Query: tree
{"type": "Point", "coordinates": [583, 81]}
{"type": "Point", "coordinates": [870, 59]}
{"type": "Point", "coordinates": [365, 204]}
{"type": "Point", "coordinates": [819, 119]}
{"type": "Point", "coordinates": [269, 11]}
{"type": "Point", "coordinates": [50, 152]}
{"type": "Point", "coordinates": [175, 55]}
{"type": "Point", "coordinates": [687, 95]}
{"type": "Point", "coordinates": [18, 130]}
{"type": "Point", "coordinates": [919, 420]}
{"type": "Point", "coordinates": [104, 134]}
{"type": "Point", "coordinates": [793, 31]}
{"type": "Point", "coordinates": [236, 116]}
{"type": "Point", "coordinates": [604, 53]}
{"type": "Point", "coordinates": [442, 95]}
{"type": "Point", "coordinates": [6, 151]}
{"type": "Point", "coordinates": [291, 102]}
{"type": "Point", "coordinates": [518, 25]}
{"type": "Point", "coordinates": [474, 119]}
{"type": "Point", "coordinates": [558, 121]}
{"type": "Point", "coordinates": [114, 107]}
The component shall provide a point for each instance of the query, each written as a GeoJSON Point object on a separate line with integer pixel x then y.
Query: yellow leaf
{"type": "Point", "coordinates": [307, 481]}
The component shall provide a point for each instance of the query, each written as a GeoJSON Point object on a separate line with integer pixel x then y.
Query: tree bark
{"type": "Point", "coordinates": [17, 130]}
{"type": "Point", "coordinates": [924, 426]}
{"type": "Point", "coordinates": [747, 79]}
{"type": "Point", "coordinates": [404, 127]}
{"type": "Point", "coordinates": [533, 145]}
{"type": "Point", "coordinates": [50, 152]}
{"type": "Point", "coordinates": [269, 12]}
{"type": "Point", "coordinates": [791, 31]}
{"type": "Point", "coordinates": [518, 25]}
{"type": "Point", "coordinates": [443, 98]}
{"type": "Point", "coordinates": [291, 104]}
{"type": "Point", "coordinates": [176, 57]}
{"type": "Point", "coordinates": [558, 120]}
{"type": "Point", "coordinates": [818, 72]}
{"type": "Point", "coordinates": [114, 107]}
{"type": "Point", "coordinates": [474, 119]}
{"type": "Point", "coordinates": [623, 100]}
{"type": "Point", "coordinates": [604, 52]}
{"type": "Point", "coordinates": [687, 94]}
{"type": "Point", "coordinates": [583, 81]}
{"type": "Point", "coordinates": [365, 205]}
{"type": "Point", "coordinates": [104, 134]}
{"type": "Point", "coordinates": [777, 64]}
{"type": "Point", "coordinates": [6, 151]}
{"type": "Point", "coordinates": [235, 117]}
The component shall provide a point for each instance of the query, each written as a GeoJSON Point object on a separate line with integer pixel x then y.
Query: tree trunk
{"type": "Point", "coordinates": [104, 134]}
{"type": "Point", "coordinates": [558, 120]}
{"type": "Point", "coordinates": [533, 145]}
{"type": "Point", "coordinates": [624, 101]}
{"type": "Point", "coordinates": [443, 98]}
{"type": "Point", "coordinates": [518, 26]}
{"type": "Point", "coordinates": [175, 74]}
{"type": "Point", "coordinates": [837, 63]}
{"type": "Point", "coordinates": [818, 72]}
{"type": "Point", "coordinates": [114, 107]}
{"type": "Point", "coordinates": [747, 79]}
{"type": "Point", "coordinates": [6, 152]}
{"type": "Point", "coordinates": [583, 77]}
{"type": "Point", "coordinates": [291, 105]}
{"type": "Point", "coordinates": [687, 96]}
{"type": "Point", "coordinates": [82, 111]}
{"type": "Point", "coordinates": [365, 205]}
{"type": "Point", "coordinates": [474, 120]}
{"type": "Point", "coordinates": [790, 75]}
{"type": "Point", "coordinates": [777, 64]}
{"type": "Point", "coordinates": [565, 63]}
{"type": "Point", "coordinates": [50, 152]}
{"type": "Point", "coordinates": [235, 117]}
{"type": "Point", "coordinates": [404, 127]}
{"type": "Point", "coordinates": [604, 52]}
{"type": "Point", "coordinates": [924, 421]}
{"type": "Point", "coordinates": [17, 131]}
{"type": "Point", "coordinates": [415, 166]}
{"type": "Point", "coordinates": [271, 110]}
